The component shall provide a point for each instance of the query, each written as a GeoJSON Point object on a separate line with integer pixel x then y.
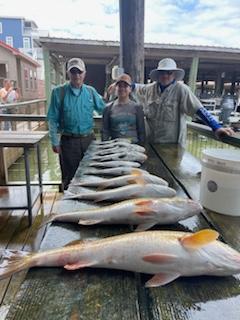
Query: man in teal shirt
{"type": "Point", "coordinates": [71, 114]}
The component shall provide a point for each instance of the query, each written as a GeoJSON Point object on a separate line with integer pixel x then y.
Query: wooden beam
{"type": "Point", "coordinates": [3, 168]}
{"type": "Point", "coordinates": [47, 72]}
{"type": "Point", "coordinates": [193, 74]}
{"type": "Point", "coordinates": [132, 38]}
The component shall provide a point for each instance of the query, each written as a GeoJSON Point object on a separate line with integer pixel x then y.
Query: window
{"type": "Point", "coordinates": [26, 43]}
{"type": "Point", "coordinates": [26, 78]}
{"type": "Point", "coordinates": [35, 79]}
{"type": "Point", "coordinates": [31, 78]}
{"type": "Point", "coordinates": [27, 24]}
{"type": "Point", "coordinates": [1, 27]}
{"type": "Point", "coordinates": [9, 41]}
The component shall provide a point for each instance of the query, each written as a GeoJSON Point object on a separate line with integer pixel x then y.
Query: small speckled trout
{"type": "Point", "coordinates": [134, 177]}
{"type": "Point", "coordinates": [113, 144]}
{"type": "Point", "coordinates": [114, 164]}
{"type": "Point", "coordinates": [142, 212]}
{"type": "Point", "coordinates": [165, 254]}
{"type": "Point", "coordinates": [123, 156]}
{"type": "Point", "coordinates": [148, 190]}
{"type": "Point", "coordinates": [111, 171]}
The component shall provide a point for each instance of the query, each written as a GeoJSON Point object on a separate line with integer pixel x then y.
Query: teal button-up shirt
{"type": "Point", "coordinates": [78, 107]}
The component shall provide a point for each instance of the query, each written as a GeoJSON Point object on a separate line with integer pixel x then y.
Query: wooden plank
{"type": "Point", "coordinates": [31, 243]}
{"type": "Point", "coordinates": [19, 233]}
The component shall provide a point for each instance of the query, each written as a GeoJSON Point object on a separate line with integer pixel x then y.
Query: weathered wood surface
{"type": "Point", "coordinates": [54, 293]}
{"type": "Point", "coordinates": [15, 234]}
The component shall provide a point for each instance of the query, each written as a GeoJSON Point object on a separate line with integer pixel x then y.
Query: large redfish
{"type": "Point", "coordinates": [165, 254]}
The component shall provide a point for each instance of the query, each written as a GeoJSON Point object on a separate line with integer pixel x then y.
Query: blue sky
{"type": "Point", "coordinates": [193, 22]}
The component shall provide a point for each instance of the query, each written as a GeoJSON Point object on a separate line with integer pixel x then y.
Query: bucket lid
{"type": "Point", "coordinates": [222, 157]}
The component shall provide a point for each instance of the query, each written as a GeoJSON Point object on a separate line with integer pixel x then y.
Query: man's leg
{"type": "Point", "coordinates": [86, 141]}
{"type": "Point", "coordinates": [71, 154]}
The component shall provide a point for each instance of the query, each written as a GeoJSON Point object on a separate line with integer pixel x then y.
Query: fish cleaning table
{"type": "Point", "coordinates": [87, 294]}
{"type": "Point", "coordinates": [21, 197]}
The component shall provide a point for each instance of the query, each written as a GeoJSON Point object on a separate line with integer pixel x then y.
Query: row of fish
{"type": "Point", "coordinates": [146, 200]}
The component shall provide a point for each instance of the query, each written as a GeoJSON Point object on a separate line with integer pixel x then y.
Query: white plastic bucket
{"type": "Point", "coordinates": [220, 181]}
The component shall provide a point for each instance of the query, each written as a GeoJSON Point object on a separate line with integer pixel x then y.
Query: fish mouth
{"type": "Point", "coordinates": [195, 205]}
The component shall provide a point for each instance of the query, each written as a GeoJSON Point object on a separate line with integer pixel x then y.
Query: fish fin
{"type": "Point", "coordinates": [159, 258]}
{"type": "Point", "coordinates": [143, 208]}
{"type": "Point", "coordinates": [74, 242]}
{"type": "Point", "coordinates": [99, 199]}
{"type": "Point", "coordinates": [72, 196]}
{"type": "Point", "coordinates": [136, 172]}
{"type": "Point", "coordinates": [145, 226]}
{"type": "Point", "coordinates": [14, 261]}
{"type": "Point", "coordinates": [137, 180]}
{"type": "Point", "coordinates": [88, 222]}
{"type": "Point", "coordinates": [199, 239]}
{"type": "Point", "coordinates": [141, 202]}
{"type": "Point", "coordinates": [102, 186]}
{"type": "Point", "coordinates": [160, 279]}
{"type": "Point", "coordinates": [79, 265]}
{"type": "Point", "coordinates": [48, 219]}
{"type": "Point", "coordinates": [77, 242]}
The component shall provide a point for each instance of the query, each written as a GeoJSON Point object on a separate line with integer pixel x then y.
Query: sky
{"type": "Point", "coordinates": [188, 22]}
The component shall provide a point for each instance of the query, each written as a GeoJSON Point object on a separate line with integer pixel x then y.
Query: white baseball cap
{"type": "Point", "coordinates": [76, 63]}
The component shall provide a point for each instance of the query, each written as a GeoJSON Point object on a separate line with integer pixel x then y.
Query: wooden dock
{"type": "Point", "coordinates": [92, 294]}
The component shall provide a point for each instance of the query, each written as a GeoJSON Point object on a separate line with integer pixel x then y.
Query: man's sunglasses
{"type": "Point", "coordinates": [163, 72]}
{"type": "Point", "coordinates": [75, 71]}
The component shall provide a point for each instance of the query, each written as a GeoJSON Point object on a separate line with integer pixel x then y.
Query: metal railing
{"type": "Point", "coordinates": [23, 115]}
{"type": "Point", "coordinates": [200, 137]}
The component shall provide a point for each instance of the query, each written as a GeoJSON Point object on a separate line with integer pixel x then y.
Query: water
{"type": "Point", "coordinates": [49, 161]}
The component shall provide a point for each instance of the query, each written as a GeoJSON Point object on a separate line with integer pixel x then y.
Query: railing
{"type": "Point", "coordinates": [200, 137]}
{"type": "Point", "coordinates": [22, 115]}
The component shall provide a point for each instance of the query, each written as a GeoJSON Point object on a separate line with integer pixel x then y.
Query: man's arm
{"type": "Point", "coordinates": [99, 103]}
{"type": "Point", "coordinates": [190, 105]}
{"type": "Point", "coordinates": [209, 120]}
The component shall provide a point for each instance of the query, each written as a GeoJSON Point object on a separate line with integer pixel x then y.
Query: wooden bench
{"type": "Point", "coordinates": [54, 293]}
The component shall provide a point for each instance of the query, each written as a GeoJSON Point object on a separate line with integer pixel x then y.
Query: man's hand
{"type": "Point", "coordinates": [221, 132]}
{"type": "Point", "coordinates": [56, 149]}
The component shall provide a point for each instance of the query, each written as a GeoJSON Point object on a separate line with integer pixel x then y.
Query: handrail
{"type": "Point", "coordinates": [206, 131]}
{"type": "Point", "coordinates": [21, 104]}
{"type": "Point", "coordinates": [31, 117]}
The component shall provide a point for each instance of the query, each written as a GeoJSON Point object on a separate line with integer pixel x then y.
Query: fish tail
{"type": "Point", "coordinates": [14, 261]}
{"type": "Point", "coordinates": [103, 185]}
{"type": "Point", "coordinates": [48, 219]}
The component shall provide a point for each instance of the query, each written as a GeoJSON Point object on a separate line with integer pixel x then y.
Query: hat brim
{"type": "Point", "coordinates": [179, 74]}
{"type": "Point", "coordinates": [129, 84]}
{"type": "Point", "coordinates": [75, 66]}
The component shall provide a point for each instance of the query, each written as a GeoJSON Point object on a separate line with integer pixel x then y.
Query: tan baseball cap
{"type": "Point", "coordinates": [124, 78]}
{"type": "Point", "coordinates": [76, 63]}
